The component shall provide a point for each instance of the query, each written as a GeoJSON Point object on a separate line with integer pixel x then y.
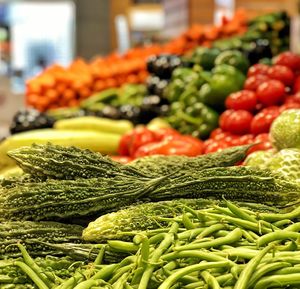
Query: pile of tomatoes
{"type": "Point", "coordinates": [268, 90]}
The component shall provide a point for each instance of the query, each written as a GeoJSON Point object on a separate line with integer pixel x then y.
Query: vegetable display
{"type": "Point", "coordinates": [247, 249]}
{"type": "Point", "coordinates": [269, 90]}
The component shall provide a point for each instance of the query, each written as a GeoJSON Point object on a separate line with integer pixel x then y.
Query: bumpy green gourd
{"type": "Point", "coordinates": [158, 165]}
{"type": "Point", "coordinates": [67, 163]}
{"type": "Point", "coordinates": [61, 199]}
{"type": "Point", "coordinates": [238, 183]}
{"type": "Point", "coordinates": [32, 233]}
{"type": "Point", "coordinates": [53, 161]}
{"type": "Point", "coordinates": [126, 223]}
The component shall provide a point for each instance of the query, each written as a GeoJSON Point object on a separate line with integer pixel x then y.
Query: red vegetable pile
{"type": "Point", "coordinates": [268, 90]}
{"type": "Point", "coordinates": [142, 142]}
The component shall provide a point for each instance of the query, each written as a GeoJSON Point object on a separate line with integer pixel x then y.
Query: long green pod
{"type": "Point", "coordinates": [32, 275]}
{"type": "Point", "coordinates": [210, 280]}
{"type": "Point", "coordinates": [232, 237]}
{"type": "Point", "coordinates": [278, 280]}
{"type": "Point", "coordinates": [171, 280]}
{"type": "Point", "coordinates": [276, 236]}
{"type": "Point", "coordinates": [199, 254]}
{"type": "Point", "coordinates": [163, 246]}
{"type": "Point", "coordinates": [265, 269]}
{"type": "Point", "coordinates": [246, 274]}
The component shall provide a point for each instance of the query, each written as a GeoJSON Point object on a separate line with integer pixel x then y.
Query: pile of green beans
{"type": "Point", "coordinates": [217, 247]}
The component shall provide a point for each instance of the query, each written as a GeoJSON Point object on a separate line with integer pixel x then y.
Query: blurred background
{"type": "Point", "coordinates": [35, 34]}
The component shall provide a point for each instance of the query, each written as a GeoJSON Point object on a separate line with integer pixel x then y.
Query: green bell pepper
{"type": "Point", "coordinates": [234, 58]}
{"type": "Point", "coordinates": [205, 57]}
{"type": "Point", "coordinates": [224, 80]}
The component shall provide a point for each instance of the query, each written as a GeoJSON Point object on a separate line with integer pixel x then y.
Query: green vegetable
{"type": "Point", "coordinates": [95, 124]}
{"type": "Point", "coordinates": [62, 199]}
{"type": "Point", "coordinates": [286, 162]}
{"type": "Point", "coordinates": [225, 80]}
{"type": "Point", "coordinates": [31, 233]}
{"type": "Point", "coordinates": [51, 161]}
{"type": "Point", "coordinates": [164, 165]}
{"type": "Point", "coordinates": [285, 130]}
{"type": "Point", "coordinates": [234, 58]}
{"type": "Point", "coordinates": [205, 57]}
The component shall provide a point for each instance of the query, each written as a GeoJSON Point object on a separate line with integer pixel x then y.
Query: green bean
{"type": "Point", "coordinates": [195, 285]}
{"type": "Point", "coordinates": [242, 223]}
{"type": "Point", "coordinates": [221, 233]}
{"type": "Point", "coordinates": [32, 275]}
{"type": "Point", "coordinates": [30, 262]}
{"type": "Point", "coordinates": [278, 280]}
{"type": "Point", "coordinates": [192, 268]}
{"type": "Point", "coordinates": [136, 278]}
{"type": "Point", "coordinates": [99, 258]}
{"type": "Point", "coordinates": [72, 281]}
{"type": "Point", "coordinates": [293, 228]}
{"type": "Point", "coordinates": [202, 255]}
{"type": "Point", "coordinates": [265, 269]}
{"type": "Point", "coordinates": [89, 283]}
{"type": "Point", "coordinates": [188, 224]}
{"type": "Point", "coordinates": [119, 284]}
{"type": "Point", "coordinates": [120, 272]}
{"type": "Point", "coordinates": [238, 212]}
{"type": "Point", "coordinates": [238, 253]}
{"type": "Point", "coordinates": [251, 267]}
{"type": "Point", "coordinates": [282, 223]}
{"type": "Point", "coordinates": [222, 210]}
{"type": "Point", "coordinates": [190, 234]}
{"type": "Point", "coordinates": [273, 217]}
{"type": "Point", "coordinates": [286, 271]}
{"type": "Point", "coordinates": [232, 237]}
{"type": "Point", "coordinates": [248, 236]}
{"type": "Point", "coordinates": [163, 246]}
{"type": "Point", "coordinates": [122, 246]}
{"type": "Point", "coordinates": [276, 236]}
{"type": "Point", "coordinates": [226, 279]}
{"type": "Point", "coordinates": [208, 231]}
{"type": "Point", "coordinates": [210, 280]}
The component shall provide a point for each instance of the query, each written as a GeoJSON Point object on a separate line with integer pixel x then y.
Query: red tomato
{"type": "Point", "coordinates": [244, 99]}
{"type": "Point", "coordinates": [236, 122]}
{"type": "Point", "coordinates": [263, 137]}
{"type": "Point", "coordinates": [215, 147]}
{"type": "Point", "coordinates": [282, 73]}
{"type": "Point", "coordinates": [186, 145]}
{"type": "Point", "coordinates": [271, 92]}
{"type": "Point", "coordinates": [254, 81]}
{"type": "Point", "coordinates": [258, 68]}
{"type": "Point", "coordinates": [122, 159]}
{"type": "Point", "coordinates": [124, 144]}
{"type": "Point", "coordinates": [263, 146]}
{"type": "Point", "coordinates": [216, 132]}
{"type": "Point", "coordinates": [288, 59]}
{"type": "Point", "coordinates": [162, 133]}
{"type": "Point", "coordinates": [223, 119]}
{"type": "Point", "coordinates": [132, 140]}
{"type": "Point", "coordinates": [246, 139]}
{"type": "Point", "coordinates": [262, 121]}
{"type": "Point", "coordinates": [296, 86]}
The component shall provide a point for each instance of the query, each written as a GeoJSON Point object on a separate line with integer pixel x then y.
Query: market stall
{"type": "Point", "coordinates": [173, 165]}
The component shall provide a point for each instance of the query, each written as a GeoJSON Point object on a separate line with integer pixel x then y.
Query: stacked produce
{"type": "Point", "coordinates": [66, 87]}
{"type": "Point", "coordinates": [187, 236]}
{"type": "Point", "coordinates": [268, 91]}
